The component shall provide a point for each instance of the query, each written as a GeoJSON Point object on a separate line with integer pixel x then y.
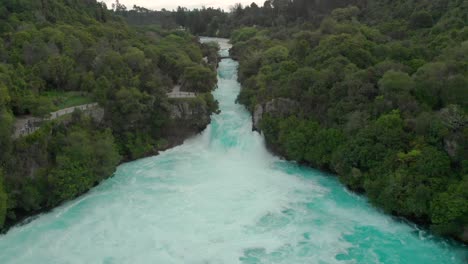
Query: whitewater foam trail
{"type": "Point", "coordinates": [221, 198]}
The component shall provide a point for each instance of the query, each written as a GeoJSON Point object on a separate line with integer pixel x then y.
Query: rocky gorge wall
{"type": "Point", "coordinates": [187, 118]}
{"type": "Point", "coordinates": [279, 107]}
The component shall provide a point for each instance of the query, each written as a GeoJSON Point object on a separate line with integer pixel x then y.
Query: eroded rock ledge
{"type": "Point", "coordinates": [188, 117]}
{"type": "Point", "coordinates": [279, 107]}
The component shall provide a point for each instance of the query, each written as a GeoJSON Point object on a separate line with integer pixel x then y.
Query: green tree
{"type": "Point", "coordinates": [455, 91]}
{"type": "Point", "coordinates": [58, 70]}
{"type": "Point", "coordinates": [69, 178]}
{"type": "Point", "coordinates": [393, 83]}
{"type": "Point", "coordinates": [450, 210]}
{"type": "Point", "coordinates": [135, 58]}
{"type": "Point", "coordinates": [275, 54]}
{"type": "Point", "coordinates": [430, 79]}
{"type": "Point", "coordinates": [41, 107]}
{"type": "Point", "coordinates": [130, 109]}
{"type": "Point", "coordinates": [346, 13]}
{"type": "Point", "coordinates": [325, 143]}
{"type": "Point", "coordinates": [421, 19]}
{"type": "Point", "coordinates": [105, 155]}
{"type": "Point", "coordinates": [199, 79]}
{"type": "Point", "coordinates": [243, 34]}
{"type": "Point", "coordinates": [83, 159]}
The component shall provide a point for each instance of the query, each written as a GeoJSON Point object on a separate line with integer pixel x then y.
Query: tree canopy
{"type": "Point", "coordinates": [55, 54]}
{"type": "Point", "coordinates": [382, 93]}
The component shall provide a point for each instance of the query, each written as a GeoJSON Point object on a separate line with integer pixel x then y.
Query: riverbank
{"type": "Point", "coordinates": [52, 160]}
{"type": "Point", "coordinates": [363, 114]}
{"type": "Point", "coordinates": [223, 194]}
{"type": "Point", "coordinates": [291, 135]}
{"type": "Point", "coordinates": [188, 117]}
{"type": "Point", "coordinates": [420, 223]}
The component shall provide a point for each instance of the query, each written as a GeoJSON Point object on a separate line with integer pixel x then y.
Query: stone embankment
{"type": "Point", "coordinates": [28, 125]}
{"type": "Point", "coordinates": [176, 93]}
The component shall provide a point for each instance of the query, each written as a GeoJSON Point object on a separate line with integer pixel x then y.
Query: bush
{"type": "Point", "coordinates": [421, 19]}
{"type": "Point", "coordinates": [199, 79]}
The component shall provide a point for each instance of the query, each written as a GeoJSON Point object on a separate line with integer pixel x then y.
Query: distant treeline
{"type": "Point", "coordinates": [220, 23]}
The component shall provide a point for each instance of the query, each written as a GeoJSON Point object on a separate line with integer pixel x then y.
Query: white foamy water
{"type": "Point", "coordinates": [221, 198]}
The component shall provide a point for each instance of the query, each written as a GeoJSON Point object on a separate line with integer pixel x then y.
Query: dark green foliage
{"type": "Point", "coordinates": [137, 145]}
{"type": "Point", "coordinates": [243, 34]}
{"type": "Point", "coordinates": [430, 80]}
{"type": "Point", "coordinates": [381, 85]}
{"type": "Point", "coordinates": [421, 19]}
{"type": "Point", "coordinates": [6, 121]}
{"type": "Point", "coordinates": [199, 79]}
{"type": "Point", "coordinates": [56, 54]}
{"type": "Point", "coordinates": [83, 159]}
{"type": "Point", "coordinates": [382, 93]}
{"type": "Point", "coordinates": [217, 22]}
{"type": "Point", "coordinates": [449, 208]}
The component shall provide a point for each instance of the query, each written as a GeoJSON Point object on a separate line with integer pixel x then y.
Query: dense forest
{"type": "Point", "coordinates": [375, 91]}
{"type": "Point", "coordinates": [217, 22]}
{"type": "Point", "coordinates": [60, 53]}
{"type": "Point", "coordinates": [378, 94]}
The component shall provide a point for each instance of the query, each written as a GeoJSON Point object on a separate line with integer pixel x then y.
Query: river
{"type": "Point", "coordinates": [221, 198]}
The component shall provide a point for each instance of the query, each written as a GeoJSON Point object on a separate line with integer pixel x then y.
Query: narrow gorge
{"type": "Point", "coordinates": [221, 197]}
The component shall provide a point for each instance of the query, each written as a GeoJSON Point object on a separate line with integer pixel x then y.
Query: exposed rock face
{"type": "Point", "coordinates": [455, 120]}
{"type": "Point", "coordinates": [464, 236]}
{"type": "Point", "coordinates": [451, 147]}
{"type": "Point", "coordinates": [453, 117]}
{"type": "Point", "coordinates": [190, 111]}
{"type": "Point", "coordinates": [30, 160]}
{"type": "Point", "coordinates": [188, 117]}
{"type": "Point", "coordinates": [27, 125]}
{"type": "Point", "coordinates": [279, 107]}
{"type": "Point", "coordinates": [35, 157]}
{"type": "Point", "coordinates": [97, 114]}
{"type": "Point", "coordinates": [257, 117]}
{"type": "Point", "coordinates": [190, 114]}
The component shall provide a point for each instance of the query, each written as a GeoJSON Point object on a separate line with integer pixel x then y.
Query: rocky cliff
{"type": "Point", "coordinates": [279, 107]}
{"type": "Point", "coordinates": [187, 118]}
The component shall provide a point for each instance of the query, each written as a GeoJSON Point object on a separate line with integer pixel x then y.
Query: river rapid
{"type": "Point", "coordinates": [222, 198]}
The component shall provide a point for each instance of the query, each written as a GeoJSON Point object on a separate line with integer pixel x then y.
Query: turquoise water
{"type": "Point", "coordinates": [221, 198]}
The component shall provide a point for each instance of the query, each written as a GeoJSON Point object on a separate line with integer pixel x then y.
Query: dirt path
{"type": "Point", "coordinates": [28, 124]}
{"type": "Point", "coordinates": [176, 93]}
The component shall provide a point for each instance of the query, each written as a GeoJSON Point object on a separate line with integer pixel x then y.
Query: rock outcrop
{"type": "Point", "coordinates": [27, 125]}
{"type": "Point", "coordinates": [279, 107]}
{"type": "Point", "coordinates": [464, 236]}
{"type": "Point", "coordinates": [187, 117]}
{"type": "Point", "coordinates": [456, 121]}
